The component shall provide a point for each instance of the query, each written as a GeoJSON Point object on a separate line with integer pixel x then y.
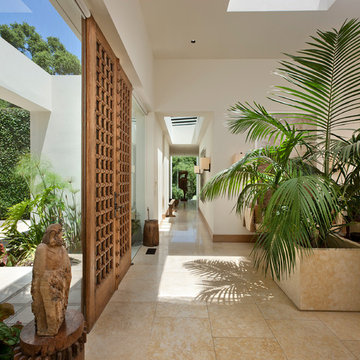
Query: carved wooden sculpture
{"type": "Point", "coordinates": [183, 182]}
{"type": "Point", "coordinates": [51, 282]}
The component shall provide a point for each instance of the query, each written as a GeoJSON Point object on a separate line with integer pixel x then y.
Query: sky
{"type": "Point", "coordinates": [42, 15]}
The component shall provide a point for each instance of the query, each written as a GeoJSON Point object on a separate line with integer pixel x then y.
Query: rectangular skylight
{"type": "Point", "coordinates": [279, 5]}
{"type": "Point", "coordinates": [13, 6]}
{"type": "Point", "coordinates": [184, 121]}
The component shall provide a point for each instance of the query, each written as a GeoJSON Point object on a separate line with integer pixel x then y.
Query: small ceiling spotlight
{"type": "Point", "coordinates": [193, 41]}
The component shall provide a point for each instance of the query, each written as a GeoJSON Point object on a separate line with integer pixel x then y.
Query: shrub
{"type": "Point", "coordinates": [14, 142]}
{"type": "Point", "coordinates": [49, 203]}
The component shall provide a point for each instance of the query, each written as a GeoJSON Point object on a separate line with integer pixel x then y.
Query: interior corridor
{"type": "Point", "coordinates": [195, 299]}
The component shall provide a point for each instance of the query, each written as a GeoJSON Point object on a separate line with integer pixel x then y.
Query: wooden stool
{"type": "Point", "coordinates": [151, 233]}
{"type": "Point", "coordinates": [68, 344]}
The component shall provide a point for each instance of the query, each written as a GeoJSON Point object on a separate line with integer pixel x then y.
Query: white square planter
{"type": "Point", "coordinates": [328, 279]}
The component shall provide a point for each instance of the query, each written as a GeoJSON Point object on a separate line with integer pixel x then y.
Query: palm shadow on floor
{"type": "Point", "coordinates": [230, 282]}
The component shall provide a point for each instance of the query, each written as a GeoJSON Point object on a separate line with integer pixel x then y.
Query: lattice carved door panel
{"type": "Point", "coordinates": [123, 174]}
{"type": "Point", "coordinates": [106, 175]}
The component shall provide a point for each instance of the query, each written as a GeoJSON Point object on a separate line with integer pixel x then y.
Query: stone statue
{"type": "Point", "coordinates": [51, 282]}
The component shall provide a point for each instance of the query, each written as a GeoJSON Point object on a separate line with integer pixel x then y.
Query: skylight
{"type": "Point", "coordinates": [279, 5]}
{"type": "Point", "coordinates": [13, 6]}
{"type": "Point", "coordinates": [184, 121]}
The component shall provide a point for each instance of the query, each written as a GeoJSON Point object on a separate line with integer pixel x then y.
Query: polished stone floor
{"type": "Point", "coordinates": [195, 299]}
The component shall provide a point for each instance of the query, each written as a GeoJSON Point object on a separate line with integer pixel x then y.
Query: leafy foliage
{"type": "Point", "coordinates": [49, 54]}
{"type": "Point", "coordinates": [48, 204]}
{"type": "Point", "coordinates": [312, 171]}
{"type": "Point", "coordinates": [9, 335]}
{"type": "Point", "coordinates": [14, 142]}
{"type": "Point", "coordinates": [184, 163]}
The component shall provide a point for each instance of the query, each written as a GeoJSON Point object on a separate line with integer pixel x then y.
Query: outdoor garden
{"type": "Point", "coordinates": [183, 163]}
{"type": "Point", "coordinates": [32, 195]}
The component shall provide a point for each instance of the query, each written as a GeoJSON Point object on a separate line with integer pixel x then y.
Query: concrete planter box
{"type": "Point", "coordinates": [328, 279]}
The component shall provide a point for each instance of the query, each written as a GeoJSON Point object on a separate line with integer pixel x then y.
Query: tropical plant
{"type": "Point", "coordinates": [177, 194]}
{"type": "Point", "coordinates": [9, 335]}
{"type": "Point", "coordinates": [48, 204]}
{"type": "Point", "coordinates": [295, 180]}
{"type": "Point", "coordinates": [14, 143]}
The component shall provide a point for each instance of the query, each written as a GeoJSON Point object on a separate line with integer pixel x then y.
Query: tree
{"type": "Point", "coordinates": [51, 55]}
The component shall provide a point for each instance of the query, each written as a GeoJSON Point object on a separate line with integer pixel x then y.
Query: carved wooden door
{"type": "Point", "coordinates": [106, 173]}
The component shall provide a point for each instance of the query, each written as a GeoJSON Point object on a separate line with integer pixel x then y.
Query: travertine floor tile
{"type": "Point", "coordinates": [308, 339]}
{"type": "Point", "coordinates": [345, 325]}
{"type": "Point", "coordinates": [145, 272]}
{"type": "Point", "coordinates": [353, 346]}
{"type": "Point", "coordinates": [247, 349]}
{"type": "Point", "coordinates": [182, 310]}
{"type": "Point", "coordinates": [137, 290]}
{"type": "Point", "coordinates": [238, 320]}
{"type": "Point", "coordinates": [121, 318]}
{"type": "Point", "coordinates": [120, 347]}
{"type": "Point", "coordinates": [181, 339]}
{"type": "Point", "coordinates": [284, 311]}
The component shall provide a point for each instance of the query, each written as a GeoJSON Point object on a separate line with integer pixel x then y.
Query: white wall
{"type": "Point", "coordinates": [140, 161]}
{"type": "Point", "coordinates": [152, 146]}
{"type": "Point", "coordinates": [166, 175]}
{"type": "Point", "coordinates": [22, 82]}
{"type": "Point", "coordinates": [129, 22]}
{"type": "Point", "coordinates": [56, 135]}
{"type": "Point", "coordinates": [156, 168]}
{"type": "Point", "coordinates": [213, 86]}
{"type": "Point", "coordinates": [207, 208]}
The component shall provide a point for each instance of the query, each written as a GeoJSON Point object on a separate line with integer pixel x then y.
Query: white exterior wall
{"type": "Point", "coordinates": [22, 82]}
{"type": "Point", "coordinates": [213, 86]}
{"type": "Point", "coordinates": [56, 135]}
{"type": "Point", "coordinates": [54, 103]}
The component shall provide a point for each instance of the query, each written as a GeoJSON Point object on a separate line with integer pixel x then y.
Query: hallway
{"type": "Point", "coordinates": [195, 299]}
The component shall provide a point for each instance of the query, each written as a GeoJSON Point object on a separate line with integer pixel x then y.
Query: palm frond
{"type": "Point", "coordinates": [325, 82]}
{"type": "Point", "coordinates": [300, 207]}
{"type": "Point", "coordinates": [257, 122]}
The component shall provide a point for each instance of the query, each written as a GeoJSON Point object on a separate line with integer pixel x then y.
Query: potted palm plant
{"type": "Point", "coordinates": [348, 161]}
{"type": "Point", "coordinates": [296, 180]}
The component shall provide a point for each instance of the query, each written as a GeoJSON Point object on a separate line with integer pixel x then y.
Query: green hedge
{"type": "Point", "coordinates": [14, 142]}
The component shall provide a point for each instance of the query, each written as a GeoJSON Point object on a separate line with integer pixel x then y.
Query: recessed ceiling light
{"type": "Point", "coordinates": [193, 41]}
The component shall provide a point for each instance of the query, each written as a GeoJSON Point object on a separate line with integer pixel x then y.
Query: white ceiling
{"type": "Point", "coordinates": [172, 24]}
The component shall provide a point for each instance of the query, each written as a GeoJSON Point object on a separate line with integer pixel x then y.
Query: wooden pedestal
{"type": "Point", "coordinates": [151, 233]}
{"type": "Point", "coordinates": [68, 344]}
